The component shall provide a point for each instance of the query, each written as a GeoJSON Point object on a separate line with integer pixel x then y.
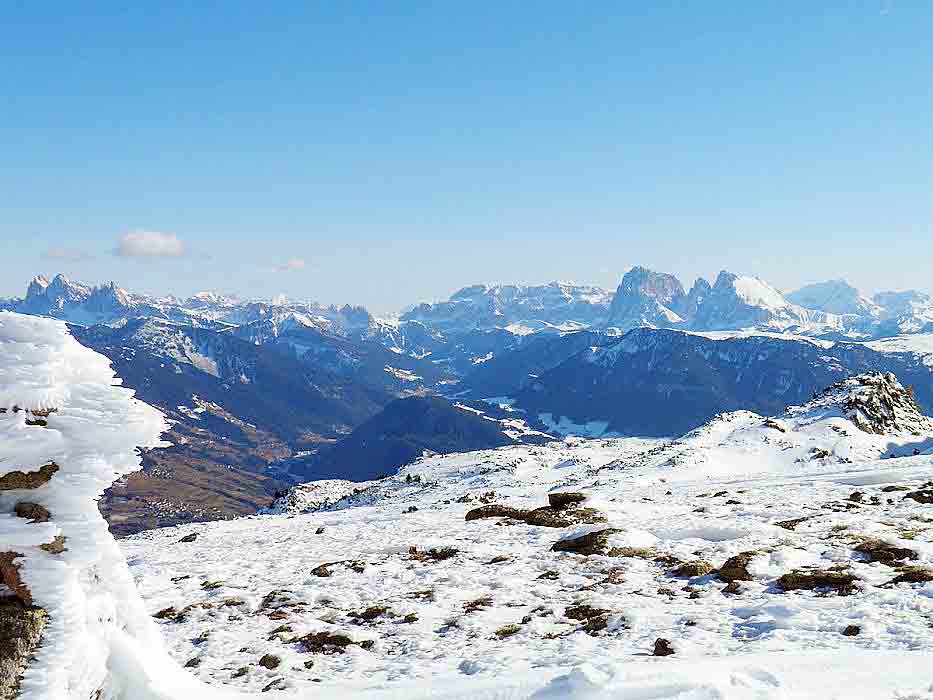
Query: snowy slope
{"type": "Point", "coordinates": [433, 604]}
{"type": "Point", "coordinates": [835, 297]}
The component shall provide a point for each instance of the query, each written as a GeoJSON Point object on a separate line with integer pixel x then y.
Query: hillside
{"type": "Point", "coordinates": [663, 382]}
{"type": "Point", "coordinates": [403, 431]}
{"type": "Point", "coordinates": [756, 557]}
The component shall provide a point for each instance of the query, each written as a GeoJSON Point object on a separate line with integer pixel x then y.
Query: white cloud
{"type": "Point", "coordinates": [66, 254]}
{"type": "Point", "coordinates": [290, 265]}
{"type": "Point", "coordinates": [149, 244]}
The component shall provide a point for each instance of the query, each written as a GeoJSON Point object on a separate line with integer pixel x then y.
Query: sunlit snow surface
{"type": "Point", "coordinates": [99, 636]}
{"type": "Point", "coordinates": [717, 492]}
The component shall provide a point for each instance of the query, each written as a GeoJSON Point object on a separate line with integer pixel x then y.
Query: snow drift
{"type": "Point", "coordinates": [67, 431]}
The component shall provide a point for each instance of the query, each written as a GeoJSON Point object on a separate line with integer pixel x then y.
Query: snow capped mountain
{"type": "Point", "coordinates": [647, 299]}
{"type": "Point", "coordinates": [519, 308]}
{"type": "Point", "coordinates": [736, 302]}
{"type": "Point", "coordinates": [835, 297]}
{"type": "Point", "coordinates": [905, 312]}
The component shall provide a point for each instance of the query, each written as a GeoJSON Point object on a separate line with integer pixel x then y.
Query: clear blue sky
{"type": "Point", "coordinates": [396, 151]}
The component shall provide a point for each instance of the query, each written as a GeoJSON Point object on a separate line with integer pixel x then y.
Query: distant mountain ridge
{"type": "Point", "coordinates": [644, 298]}
{"type": "Point", "coordinates": [664, 382]}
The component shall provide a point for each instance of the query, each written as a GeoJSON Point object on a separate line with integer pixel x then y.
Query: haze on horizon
{"type": "Point", "coordinates": [386, 156]}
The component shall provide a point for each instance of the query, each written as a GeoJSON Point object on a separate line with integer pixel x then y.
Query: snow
{"type": "Point", "coordinates": [97, 623]}
{"type": "Point", "coordinates": [401, 374]}
{"type": "Point", "coordinates": [564, 426]}
{"type": "Point", "coordinates": [709, 495]}
{"type": "Point", "coordinates": [757, 292]}
{"type": "Point", "coordinates": [759, 643]}
{"type": "Point", "coordinates": [920, 344]}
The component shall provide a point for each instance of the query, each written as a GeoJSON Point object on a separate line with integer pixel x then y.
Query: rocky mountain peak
{"type": "Point", "coordinates": [647, 298]}
{"type": "Point", "coordinates": [876, 402]}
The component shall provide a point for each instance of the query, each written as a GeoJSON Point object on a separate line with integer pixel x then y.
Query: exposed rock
{"type": "Point", "coordinates": [33, 512]}
{"type": "Point", "coordinates": [9, 574]}
{"type": "Point", "coordinates": [565, 498]}
{"type": "Point", "coordinates": [270, 661]}
{"type": "Point", "coordinates": [596, 624]}
{"type": "Point", "coordinates": [791, 524]}
{"type": "Point", "coordinates": [877, 403]}
{"type": "Point", "coordinates": [21, 629]}
{"type": "Point", "coordinates": [508, 630]}
{"type": "Point", "coordinates": [433, 554]}
{"type": "Point", "coordinates": [662, 647]}
{"type": "Point", "coordinates": [841, 582]}
{"type": "Point", "coordinates": [275, 684]}
{"type": "Point", "coordinates": [632, 552]}
{"type": "Point", "coordinates": [736, 568]}
{"type": "Point", "coordinates": [169, 613]}
{"type": "Point", "coordinates": [324, 570]}
{"type": "Point", "coordinates": [589, 544]}
{"type": "Point", "coordinates": [732, 588]}
{"type": "Point", "coordinates": [692, 569]}
{"type": "Point", "coordinates": [912, 574]}
{"type": "Point", "coordinates": [371, 613]}
{"type": "Point", "coordinates": [28, 480]}
{"type": "Point", "coordinates": [565, 515]}
{"type": "Point", "coordinates": [884, 552]}
{"type": "Point", "coordinates": [548, 516]}
{"type": "Point", "coordinates": [325, 643]}
{"type": "Point", "coordinates": [851, 631]}
{"type": "Point", "coordinates": [56, 546]}
{"type": "Point", "coordinates": [584, 612]}
{"type": "Point", "coordinates": [477, 604]}
{"type": "Point", "coordinates": [496, 510]}
{"type": "Point", "coordinates": [924, 496]}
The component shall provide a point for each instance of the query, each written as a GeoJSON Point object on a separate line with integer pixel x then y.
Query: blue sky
{"type": "Point", "coordinates": [389, 152]}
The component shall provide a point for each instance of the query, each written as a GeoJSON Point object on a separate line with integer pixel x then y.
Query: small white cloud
{"type": "Point", "coordinates": [290, 265]}
{"type": "Point", "coordinates": [66, 254]}
{"type": "Point", "coordinates": [149, 244]}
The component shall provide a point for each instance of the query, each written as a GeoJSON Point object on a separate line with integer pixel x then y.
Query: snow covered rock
{"type": "Point", "coordinates": [876, 403]}
{"type": "Point", "coordinates": [736, 302]}
{"type": "Point", "coordinates": [98, 640]}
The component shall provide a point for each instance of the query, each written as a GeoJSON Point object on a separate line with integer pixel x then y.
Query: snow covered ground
{"type": "Point", "coordinates": [430, 604]}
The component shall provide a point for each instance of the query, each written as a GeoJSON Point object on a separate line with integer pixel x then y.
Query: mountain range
{"type": "Point", "coordinates": [263, 393]}
{"type": "Point", "coordinates": [644, 298]}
